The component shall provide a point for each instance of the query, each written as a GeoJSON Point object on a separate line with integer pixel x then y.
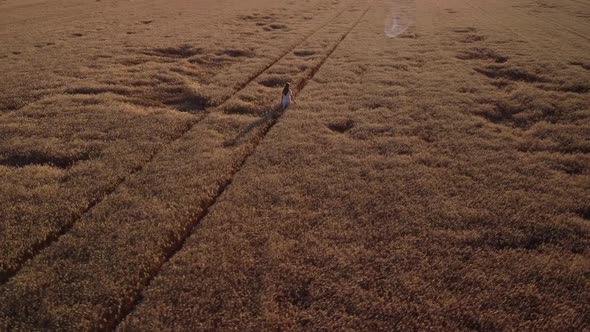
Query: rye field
{"type": "Point", "coordinates": [434, 174]}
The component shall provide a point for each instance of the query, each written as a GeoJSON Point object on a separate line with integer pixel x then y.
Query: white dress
{"type": "Point", "coordinates": [286, 100]}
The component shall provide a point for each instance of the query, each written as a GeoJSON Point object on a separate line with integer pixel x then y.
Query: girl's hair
{"type": "Point", "coordinates": [286, 88]}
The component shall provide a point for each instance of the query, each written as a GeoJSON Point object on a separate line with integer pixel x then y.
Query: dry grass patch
{"type": "Point", "coordinates": [341, 126]}
{"type": "Point", "coordinates": [585, 65]}
{"type": "Point", "coordinates": [275, 81]}
{"type": "Point", "coordinates": [182, 51]}
{"type": "Point", "coordinates": [524, 105]}
{"type": "Point", "coordinates": [40, 158]}
{"type": "Point", "coordinates": [276, 26]}
{"type": "Point", "coordinates": [77, 164]}
{"type": "Point", "coordinates": [242, 107]}
{"type": "Point", "coordinates": [471, 38]}
{"type": "Point", "coordinates": [511, 73]}
{"type": "Point", "coordinates": [234, 53]}
{"type": "Point", "coordinates": [577, 87]}
{"type": "Point", "coordinates": [481, 54]}
{"type": "Point", "coordinates": [304, 53]}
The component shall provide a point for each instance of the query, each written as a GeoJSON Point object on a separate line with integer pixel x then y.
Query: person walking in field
{"type": "Point", "coordinates": [287, 96]}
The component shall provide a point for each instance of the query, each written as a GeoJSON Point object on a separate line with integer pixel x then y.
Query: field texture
{"type": "Point", "coordinates": [433, 175]}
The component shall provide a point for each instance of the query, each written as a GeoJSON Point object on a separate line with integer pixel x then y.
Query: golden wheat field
{"type": "Point", "coordinates": [433, 174]}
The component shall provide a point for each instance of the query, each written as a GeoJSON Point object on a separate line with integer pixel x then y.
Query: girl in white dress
{"type": "Point", "coordinates": [287, 96]}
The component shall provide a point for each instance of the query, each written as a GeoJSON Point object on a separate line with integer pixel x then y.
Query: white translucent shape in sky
{"type": "Point", "coordinates": [400, 18]}
{"type": "Point", "coordinates": [394, 26]}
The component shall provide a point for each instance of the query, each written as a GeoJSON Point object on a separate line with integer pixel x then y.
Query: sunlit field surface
{"type": "Point", "coordinates": [434, 173]}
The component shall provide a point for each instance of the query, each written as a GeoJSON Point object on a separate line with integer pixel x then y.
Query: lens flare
{"type": "Point", "coordinates": [394, 26]}
{"type": "Point", "coordinates": [400, 18]}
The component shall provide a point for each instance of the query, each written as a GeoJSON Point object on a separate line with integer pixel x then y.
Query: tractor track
{"type": "Point", "coordinates": [48, 241]}
{"type": "Point", "coordinates": [223, 187]}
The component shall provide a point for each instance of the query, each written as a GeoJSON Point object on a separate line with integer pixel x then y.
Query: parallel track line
{"type": "Point", "coordinates": [222, 188]}
{"type": "Point", "coordinates": [48, 241]}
